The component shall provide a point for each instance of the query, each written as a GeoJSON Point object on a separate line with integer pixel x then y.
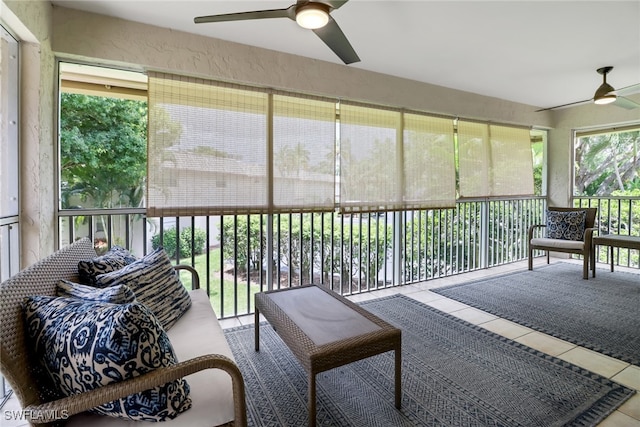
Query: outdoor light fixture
{"type": "Point", "coordinates": [312, 16]}
{"type": "Point", "coordinates": [605, 93]}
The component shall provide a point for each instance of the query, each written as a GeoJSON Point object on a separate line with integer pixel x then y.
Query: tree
{"type": "Point", "coordinates": [292, 160]}
{"type": "Point", "coordinates": [537, 149]}
{"type": "Point", "coordinates": [103, 151]}
{"type": "Point", "coordinates": [606, 163]}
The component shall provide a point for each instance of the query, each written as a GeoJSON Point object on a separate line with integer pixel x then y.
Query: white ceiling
{"type": "Point", "coordinates": [542, 53]}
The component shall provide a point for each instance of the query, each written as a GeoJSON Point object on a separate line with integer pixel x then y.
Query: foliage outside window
{"type": "Point", "coordinates": [103, 152]}
{"type": "Point", "coordinates": [537, 152]}
{"type": "Point", "coordinates": [607, 164]}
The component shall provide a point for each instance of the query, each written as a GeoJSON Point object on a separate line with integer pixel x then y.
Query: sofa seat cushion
{"type": "Point", "coordinates": [196, 333]}
{"type": "Point", "coordinates": [559, 244]}
{"type": "Point", "coordinates": [85, 345]}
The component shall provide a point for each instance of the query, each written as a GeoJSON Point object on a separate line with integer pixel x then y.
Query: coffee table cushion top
{"type": "Point", "coordinates": [323, 318]}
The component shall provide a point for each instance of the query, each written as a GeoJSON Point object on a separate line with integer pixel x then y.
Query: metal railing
{"type": "Point", "coordinates": [616, 215]}
{"type": "Point", "coordinates": [9, 265]}
{"type": "Point", "coordinates": [9, 247]}
{"type": "Point", "coordinates": [239, 255]}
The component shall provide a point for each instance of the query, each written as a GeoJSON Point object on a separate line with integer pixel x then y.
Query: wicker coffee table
{"type": "Point", "coordinates": [613, 241]}
{"type": "Point", "coordinates": [325, 330]}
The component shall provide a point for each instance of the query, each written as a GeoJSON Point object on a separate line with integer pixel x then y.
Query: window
{"type": "Point", "coordinates": [390, 160]}
{"type": "Point", "coordinates": [9, 126]}
{"type": "Point", "coordinates": [212, 139]}
{"type": "Point", "coordinates": [304, 135]}
{"type": "Point", "coordinates": [9, 158]}
{"type": "Point", "coordinates": [233, 149]}
{"type": "Point", "coordinates": [369, 159]}
{"type": "Point", "coordinates": [538, 151]}
{"type": "Point", "coordinates": [494, 160]}
{"type": "Point", "coordinates": [607, 162]}
{"type": "Point", "coordinates": [103, 137]}
{"type": "Point", "coordinates": [220, 148]}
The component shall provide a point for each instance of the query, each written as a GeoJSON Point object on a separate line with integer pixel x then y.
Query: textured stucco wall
{"type": "Point", "coordinates": [560, 149]}
{"type": "Point", "coordinates": [89, 36]}
{"type": "Point", "coordinates": [37, 208]}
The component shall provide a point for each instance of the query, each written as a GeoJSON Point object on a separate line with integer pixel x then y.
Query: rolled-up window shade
{"type": "Point", "coordinates": [369, 159]}
{"type": "Point", "coordinates": [304, 140]}
{"type": "Point", "coordinates": [473, 159]}
{"type": "Point", "coordinates": [494, 160]}
{"type": "Point", "coordinates": [207, 148]}
{"type": "Point", "coordinates": [429, 162]}
{"type": "Point", "coordinates": [512, 161]}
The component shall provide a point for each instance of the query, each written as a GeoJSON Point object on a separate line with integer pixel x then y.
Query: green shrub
{"type": "Point", "coordinates": [169, 242]}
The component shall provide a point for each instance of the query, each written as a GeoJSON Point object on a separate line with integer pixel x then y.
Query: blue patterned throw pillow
{"type": "Point", "coordinates": [114, 259]}
{"type": "Point", "coordinates": [156, 285]}
{"type": "Point", "coordinates": [568, 225]}
{"type": "Point", "coordinates": [86, 345]}
{"type": "Point", "coordinates": [120, 294]}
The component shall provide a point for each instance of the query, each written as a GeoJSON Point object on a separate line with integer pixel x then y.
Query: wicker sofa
{"type": "Point", "coordinates": [205, 359]}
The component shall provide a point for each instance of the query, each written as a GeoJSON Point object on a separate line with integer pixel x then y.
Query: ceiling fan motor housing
{"type": "Point", "coordinates": [605, 93]}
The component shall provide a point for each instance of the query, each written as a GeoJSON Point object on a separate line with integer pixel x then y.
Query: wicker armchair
{"type": "Point", "coordinates": [582, 247]}
{"type": "Point", "coordinates": [41, 279]}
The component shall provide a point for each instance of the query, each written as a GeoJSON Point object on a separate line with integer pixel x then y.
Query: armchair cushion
{"type": "Point", "coordinates": [156, 285]}
{"type": "Point", "coordinates": [558, 244]}
{"type": "Point", "coordinates": [566, 225]}
{"type": "Point", "coordinates": [114, 259]}
{"type": "Point", "coordinates": [85, 345]}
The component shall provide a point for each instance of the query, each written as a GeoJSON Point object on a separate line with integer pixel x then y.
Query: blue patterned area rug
{"type": "Point", "coordinates": [453, 374]}
{"type": "Point", "coordinates": [600, 313]}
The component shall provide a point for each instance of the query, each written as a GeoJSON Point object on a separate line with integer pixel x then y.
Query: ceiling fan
{"type": "Point", "coordinates": [313, 15]}
{"type": "Point", "coordinates": [606, 94]}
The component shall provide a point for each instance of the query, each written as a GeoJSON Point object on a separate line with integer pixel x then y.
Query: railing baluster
{"type": "Point", "coordinates": [222, 247]}
{"type": "Point", "coordinates": [207, 259]}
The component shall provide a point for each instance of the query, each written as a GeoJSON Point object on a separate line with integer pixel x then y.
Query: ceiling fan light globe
{"type": "Point", "coordinates": [604, 95]}
{"type": "Point", "coordinates": [312, 17]}
{"type": "Point", "coordinates": [606, 99]}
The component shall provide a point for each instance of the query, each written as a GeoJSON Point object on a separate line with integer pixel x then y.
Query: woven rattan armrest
{"type": "Point", "coordinates": [195, 277]}
{"type": "Point", "coordinates": [78, 403]}
{"type": "Point", "coordinates": [532, 229]}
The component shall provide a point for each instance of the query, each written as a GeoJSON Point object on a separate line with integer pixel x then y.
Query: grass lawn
{"type": "Point", "coordinates": [222, 288]}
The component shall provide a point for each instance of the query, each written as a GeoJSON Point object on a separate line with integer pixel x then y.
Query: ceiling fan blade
{"type": "Point", "coordinates": [335, 4]}
{"type": "Point", "coordinates": [623, 102]}
{"type": "Point", "coordinates": [629, 90]}
{"type": "Point", "coordinates": [564, 105]}
{"type": "Point", "coordinates": [243, 16]}
{"type": "Point", "coordinates": [332, 36]}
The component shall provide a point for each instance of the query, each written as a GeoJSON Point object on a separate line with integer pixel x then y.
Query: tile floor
{"type": "Point", "coordinates": [627, 415]}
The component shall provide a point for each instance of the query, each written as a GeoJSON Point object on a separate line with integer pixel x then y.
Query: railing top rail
{"type": "Point", "coordinates": [102, 211]}
{"type": "Point", "coordinates": [606, 197]}
{"type": "Point", "coordinates": [8, 220]}
{"type": "Point", "coordinates": [499, 199]}
{"type": "Point", "coordinates": [135, 211]}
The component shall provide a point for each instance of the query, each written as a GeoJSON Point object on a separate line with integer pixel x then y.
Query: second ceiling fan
{"type": "Point", "coordinates": [313, 15]}
{"type": "Point", "coordinates": [606, 94]}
